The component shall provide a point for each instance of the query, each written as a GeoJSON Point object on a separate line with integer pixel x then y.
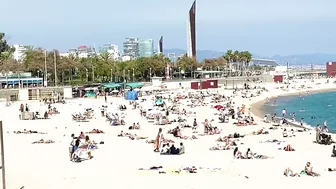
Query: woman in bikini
{"type": "Point", "coordinates": [158, 141]}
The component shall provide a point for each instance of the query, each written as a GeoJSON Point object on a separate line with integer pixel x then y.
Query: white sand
{"type": "Point", "coordinates": [115, 163]}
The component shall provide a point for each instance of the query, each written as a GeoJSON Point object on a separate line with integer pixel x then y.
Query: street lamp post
{"type": "Point", "coordinates": [179, 73]}
{"type": "Point", "coordinates": [150, 74]}
{"type": "Point", "coordinates": [111, 75]}
{"type": "Point", "coordinates": [129, 76]}
{"type": "Point", "coordinates": [38, 77]}
{"type": "Point", "coordinates": [87, 75]}
{"type": "Point", "coordinates": [93, 76]}
{"type": "Point", "coordinates": [133, 74]}
{"type": "Point", "coordinates": [124, 75]}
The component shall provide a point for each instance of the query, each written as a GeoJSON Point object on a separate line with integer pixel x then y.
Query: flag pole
{"type": "Point", "coordinates": [2, 157]}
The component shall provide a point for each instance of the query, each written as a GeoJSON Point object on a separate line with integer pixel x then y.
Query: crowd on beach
{"type": "Point", "coordinates": [174, 116]}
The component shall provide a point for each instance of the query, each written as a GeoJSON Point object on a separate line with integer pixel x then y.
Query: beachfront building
{"type": "Point", "coordinates": [331, 69]}
{"type": "Point", "coordinates": [71, 52]}
{"type": "Point", "coordinates": [112, 50]}
{"type": "Point", "coordinates": [20, 51]}
{"type": "Point", "coordinates": [14, 80]}
{"type": "Point", "coordinates": [84, 51]}
{"type": "Point", "coordinates": [131, 47]}
{"type": "Point", "coordinates": [146, 48]}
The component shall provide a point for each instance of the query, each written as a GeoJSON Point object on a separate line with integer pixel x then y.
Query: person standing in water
{"type": "Point", "coordinates": [284, 112]}
{"type": "Point", "coordinates": [325, 123]}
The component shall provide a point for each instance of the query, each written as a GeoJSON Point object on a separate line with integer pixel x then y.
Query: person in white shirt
{"type": "Point", "coordinates": [325, 123]}
{"type": "Point", "coordinates": [283, 112]}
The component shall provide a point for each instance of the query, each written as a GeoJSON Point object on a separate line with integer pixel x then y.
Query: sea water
{"type": "Point", "coordinates": [314, 108]}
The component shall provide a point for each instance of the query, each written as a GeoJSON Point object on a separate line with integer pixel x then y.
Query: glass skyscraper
{"type": "Point", "coordinates": [146, 48]}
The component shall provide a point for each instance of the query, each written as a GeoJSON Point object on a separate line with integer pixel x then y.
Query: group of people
{"type": "Point", "coordinates": [80, 144]}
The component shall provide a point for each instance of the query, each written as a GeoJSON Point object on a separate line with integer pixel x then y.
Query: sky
{"type": "Point", "coordinates": [263, 27]}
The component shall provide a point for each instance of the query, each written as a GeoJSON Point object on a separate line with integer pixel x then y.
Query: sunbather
{"type": "Point", "coordinates": [132, 137]}
{"type": "Point", "coordinates": [331, 169]}
{"type": "Point", "coordinates": [43, 142]}
{"type": "Point", "coordinates": [28, 132]}
{"type": "Point", "coordinates": [289, 172]}
{"type": "Point", "coordinates": [95, 131]}
{"type": "Point", "coordinates": [123, 134]}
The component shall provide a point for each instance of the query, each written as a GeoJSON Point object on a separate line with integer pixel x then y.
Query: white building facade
{"type": "Point", "coordinates": [20, 52]}
{"type": "Point", "coordinates": [112, 50]}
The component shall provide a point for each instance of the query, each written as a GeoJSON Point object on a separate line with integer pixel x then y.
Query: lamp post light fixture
{"type": "Point", "coordinates": [150, 74]}
{"type": "Point", "coordinates": [111, 75]}
{"type": "Point", "coordinates": [87, 75]}
{"type": "Point", "coordinates": [128, 75]}
{"type": "Point", "coordinates": [133, 74]}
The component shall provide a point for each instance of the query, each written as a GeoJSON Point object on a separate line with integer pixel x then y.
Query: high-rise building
{"type": "Point", "coordinates": [84, 51]}
{"type": "Point", "coordinates": [146, 48]}
{"type": "Point", "coordinates": [112, 50]}
{"type": "Point", "coordinates": [191, 31]}
{"type": "Point", "coordinates": [131, 47]}
{"type": "Point", "coordinates": [160, 45]}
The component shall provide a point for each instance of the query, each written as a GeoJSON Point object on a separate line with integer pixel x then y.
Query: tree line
{"type": "Point", "coordinates": [101, 68]}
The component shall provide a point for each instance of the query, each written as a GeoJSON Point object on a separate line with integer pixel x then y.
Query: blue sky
{"type": "Point", "coordinates": [264, 27]}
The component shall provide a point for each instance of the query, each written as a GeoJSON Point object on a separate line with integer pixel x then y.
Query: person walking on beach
{"type": "Point", "coordinates": [284, 112]}
{"type": "Point", "coordinates": [318, 132]}
{"type": "Point", "coordinates": [72, 144]}
{"type": "Point", "coordinates": [158, 141]}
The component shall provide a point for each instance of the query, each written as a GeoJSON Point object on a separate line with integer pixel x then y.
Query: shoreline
{"type": "Point", "coordinates": [257, 108]}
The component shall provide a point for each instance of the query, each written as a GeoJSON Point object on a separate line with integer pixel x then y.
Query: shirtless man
{"type": "Point", "coordinates": [309, 170]}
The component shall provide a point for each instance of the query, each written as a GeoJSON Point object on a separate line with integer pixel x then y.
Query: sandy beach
{"type": "Point", "coordinates": [116, 163]}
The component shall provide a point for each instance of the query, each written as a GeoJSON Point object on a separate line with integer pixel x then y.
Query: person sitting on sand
{"type": "Point", "coordinates": [289, 148]}
{"type": "Point", "coordinates": [165, 149]}
{"type": "Point", "coordinates": [265, 119]}
{"type": "Point", "coordinates": [249, 154]}
{"type": "Point", "coordinates": [194, 128]}
{"type": "Point", "coordinates": [289, 172]}
{"type": "Point", "coordinates": [214, 130]}
{"type": "Point", "coordinates": [237, 154]}
{"type": "Point", "coordinates": [309, 170]}
{"type": "Point", "coordinates": [174, 150]}
{"type": "Point", "coordinates": [181, 149]}
{"type": "Point", "coordinates": [133, 127]}
{"type": "Point", "coordinates": [333, 152]}
{"type": "Point", "coordinates": [284, 133]}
